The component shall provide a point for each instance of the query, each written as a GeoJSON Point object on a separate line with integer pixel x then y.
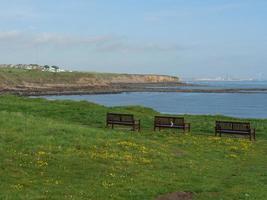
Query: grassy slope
{"type": "Point", "coordinates": [13, 77]}
{"type": "Point", "coordinates": [60, 150]}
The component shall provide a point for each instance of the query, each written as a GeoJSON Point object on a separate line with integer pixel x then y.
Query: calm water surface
{"type": "Point", "coordinates": [229, 104]}
{"type": "Point", "coordinates": [211, 85]}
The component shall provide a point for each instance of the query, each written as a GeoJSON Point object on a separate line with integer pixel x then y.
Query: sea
{"type": "Point", "coordinates": [252, 104]}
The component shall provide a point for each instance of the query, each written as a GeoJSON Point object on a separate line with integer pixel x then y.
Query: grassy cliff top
{"type": "Point", "coordinates": [13, 77]}
{"type": "Point", "coordinates": [62, 150]}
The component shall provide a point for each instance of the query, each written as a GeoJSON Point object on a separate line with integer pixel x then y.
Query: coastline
{"type": "Point", "coordinates": [38, 83]}
{"type": "Point", "coordinates": [122, 88]}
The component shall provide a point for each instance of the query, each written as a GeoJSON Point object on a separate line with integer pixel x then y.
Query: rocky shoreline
{"type": "Point", "coordinates": [38, 83]}
{"type": "Point", "coordinates": [120, 88]}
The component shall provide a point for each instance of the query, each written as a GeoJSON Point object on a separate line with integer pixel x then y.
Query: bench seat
{"type": "Point", "coordinates": [161, 122]}
{"type": "Point", "coordinates": [122, 119]}
{"type": "Point", "coordinates": [232, 131]}
{"type": "Point", "coordinates": [239, 128]}
{"type": "Point", "coordinates": [169, 126]}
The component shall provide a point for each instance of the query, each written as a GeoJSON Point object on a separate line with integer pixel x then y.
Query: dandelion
{"type": "Point", "coordinates": [17, 187]}
{"type": "Point", "coordinates": [128, 158]}
{"type": "Point", "coordinates": [41, 163]}
{"type": "Point", "coordinates": [214, 138]}
{"type": "Point", "coordinates": [107, 185]}
{"type": "Point", "coordinates": [41, 153]}
{"type": "Point", "coordinates": [145, 161]}
{"type": "Point", "coordinates": [233, 148]}
{"type": "Point", "coordinates": [233, 156]}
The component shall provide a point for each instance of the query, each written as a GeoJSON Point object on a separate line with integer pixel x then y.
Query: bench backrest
{"type": "Point", "coordinates": [166, 120]}
{"type": "Point", "coordinates": [116, 117]}
{"type": "Point", "coordinates": [232, 126]}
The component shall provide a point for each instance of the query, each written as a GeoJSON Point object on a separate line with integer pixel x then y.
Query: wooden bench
{"type": "Point", "coordinates": [122, 119]}
{"type": "Point", "coordinates": [239, 128]}
{"type": "Point", "coordinates": [161, 122]}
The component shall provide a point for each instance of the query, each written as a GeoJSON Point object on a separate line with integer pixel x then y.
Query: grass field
{"type": "Point", "coordinates": [62, 150]}
{"type": "Point", "coordinates": [12, 77]}
{"type": "Point", "coordinates": [16, 76]}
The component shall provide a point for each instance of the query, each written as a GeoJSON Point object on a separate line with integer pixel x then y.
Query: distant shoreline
{"type": "Point", "coordinates": [25, 82]}
{"type": "Point", "coordinates": [124, 88]}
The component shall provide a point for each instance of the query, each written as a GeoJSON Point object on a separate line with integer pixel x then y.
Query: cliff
{"type": "Point", "coordinates": [22, 80]}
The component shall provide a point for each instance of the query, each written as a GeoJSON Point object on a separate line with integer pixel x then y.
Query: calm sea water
{"type": "Point", "coordinates": [252, 105]}
{"type": "Point", "coordinates": [207, 85]}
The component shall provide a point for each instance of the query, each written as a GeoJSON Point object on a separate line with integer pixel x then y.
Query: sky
{"type": "Point", "coordinates": [185, 38]}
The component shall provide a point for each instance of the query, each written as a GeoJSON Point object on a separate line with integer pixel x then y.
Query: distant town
{"type": "Point", "coordinates": [44, 68]}
{"type": "Point", "coordinates": [224, 79]}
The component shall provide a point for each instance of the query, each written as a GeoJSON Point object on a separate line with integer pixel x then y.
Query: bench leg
{"type": "Point", "coordinates": [254, 134]}
{"type": "Point", "coordinates": [188, 129]}
{"type": "Point", "coordinates": [112, 126]}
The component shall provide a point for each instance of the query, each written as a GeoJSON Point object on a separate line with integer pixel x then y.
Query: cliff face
{"type": "Point", "coordinates": [144, 79]}
{"type": "Point", "coordinates": [126, 78]}
{"type": "Point", "coordinates": [23, 80]}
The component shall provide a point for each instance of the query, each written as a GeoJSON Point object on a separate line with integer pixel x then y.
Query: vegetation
{"type": "Point", "coordinates": [16, 76]}
{"type": "Point", "coordinates": [12, 77]}
{"type": "Point", "coordinates": [62, 150]}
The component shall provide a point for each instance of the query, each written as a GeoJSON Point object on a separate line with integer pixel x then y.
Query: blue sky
{"type": "Point", "coordinates": [188, 38]}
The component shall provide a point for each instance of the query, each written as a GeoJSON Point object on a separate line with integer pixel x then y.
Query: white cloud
{"type": "Point", "coordinates": [5, 35]}
{"type": "Point", "coordinates": [139, 48]}
{"type": "Point", "coordinates": [45, 38]}
{"type": "Point", "coordinates": [101, 43]}
{"type": "Point", "coordinates": [59, 39]}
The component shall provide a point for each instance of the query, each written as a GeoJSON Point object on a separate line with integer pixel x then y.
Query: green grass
{"type": "Point", "coordinates": [61, 150]}
{"type": "Point", "coordinates": [12, 77]}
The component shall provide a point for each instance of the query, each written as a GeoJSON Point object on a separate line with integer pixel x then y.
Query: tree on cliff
{"type": "Point", "coordinates": [46, 67]}
{"type": "Point", "coordinates": [56, 68]}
